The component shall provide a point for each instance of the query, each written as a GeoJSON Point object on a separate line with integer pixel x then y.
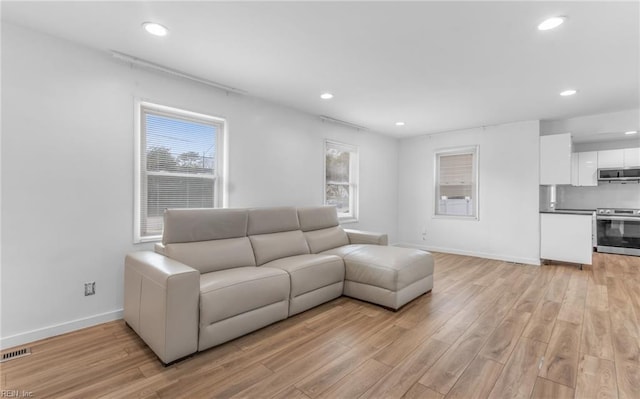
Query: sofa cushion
{"type": "Point", "coordinates": [268, 247]}
{"type": "Point", "coordinates": [310, 272]}
{"type": "Point", "coordinates": [227, 293]}
{"type": "Point", "coordinates": [188, 225]}
{"type": "Point", "coordinates": [317, 217]}
{"type": "Point", "coordinates": [210, 256]}
{"type": "Point", "coordinates": [392, 268]}
{"type": "Point", "coordinates": [342, 251]}
{"type": "Point", "coordinates": [272, 220]}
{"type": "Point", "coordinates": [324, 239]}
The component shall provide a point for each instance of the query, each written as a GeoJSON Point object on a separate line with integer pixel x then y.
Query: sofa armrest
{"type": "Point", "coordinates": [159, 248]}
{"type": "Point", "coordinates": [366, 237]}
{"type": "Point", "coordinates": [161, 303]}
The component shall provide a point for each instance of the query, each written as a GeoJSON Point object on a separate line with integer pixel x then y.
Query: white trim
{"type": "Point", "coordinates": [220, 191]}
{"type": "Point", "coordinates": [58, 329]}
{"type": "Point", "coordinates": [506, 258]}
{"type": "Point", "coordinates": [137, 129]}
{"type": "Point", "coordinates": [222, 162]}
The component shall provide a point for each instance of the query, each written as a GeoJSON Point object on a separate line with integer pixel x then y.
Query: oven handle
{"type": "Point", "coordinates": [623, 218]}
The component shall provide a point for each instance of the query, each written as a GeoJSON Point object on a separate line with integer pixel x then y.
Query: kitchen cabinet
{"type": "Point", "coordinates": [611, 159]}
{"type": "Point", "coordinates": [555, 159]}
{"type": "Point", "coordinates": [566, 238]}
{"type": "Point", "coordinates": [587, 168]}
{"type": "Point", "coordinates": [631, 157]}
{"type": "Point", "coordinates": [584, 168]}
{"type": "Point", "coordinates": [575, 168]}
{"type": "Point", "coordinates": [623, 158]}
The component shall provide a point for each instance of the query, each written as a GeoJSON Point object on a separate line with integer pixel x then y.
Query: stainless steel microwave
{"type": "Point", "coordinates": [619, 174]}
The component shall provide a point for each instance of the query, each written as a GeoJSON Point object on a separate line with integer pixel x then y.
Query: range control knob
{"type": "Point", "coordinates": [608, 211]}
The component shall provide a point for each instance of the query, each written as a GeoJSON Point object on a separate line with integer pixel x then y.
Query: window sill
{"type": "Point", "coordinates": [144, 240]}
{"type": "Point", "coordinates": [456, 217]}
{"type": "Point", "coordinates": [347, 220]}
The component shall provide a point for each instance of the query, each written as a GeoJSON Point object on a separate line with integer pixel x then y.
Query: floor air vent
{"type": "Point", "coordinates": [15, 354]}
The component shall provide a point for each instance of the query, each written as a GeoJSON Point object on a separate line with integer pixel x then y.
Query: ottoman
{"type": "Point", "coordinates": [388, 276]}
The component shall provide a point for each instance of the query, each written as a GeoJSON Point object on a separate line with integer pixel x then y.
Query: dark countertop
{"type": "Point", "coordinates": [587, 212]}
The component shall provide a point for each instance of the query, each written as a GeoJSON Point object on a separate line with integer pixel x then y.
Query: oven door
{"type": "Point", "coordinates": [618, 235]}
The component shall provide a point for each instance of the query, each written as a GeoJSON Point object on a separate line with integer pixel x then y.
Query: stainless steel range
{"type": "Point", "coordinates": [618, 231]}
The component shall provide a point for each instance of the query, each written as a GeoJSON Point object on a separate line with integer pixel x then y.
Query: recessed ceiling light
{"type": "Point", "coordinates": [155, 29]}
{"type": "Point", "coordinates": [631, 132]}
{"type": "Point", "coordinates": [399, 123]}
{"type": "Point", "coordinates": [326, 96]}
{"type": "Point", "coordinates": [551, 23]}
{"type": "Point", "coordinates": [569, 92]}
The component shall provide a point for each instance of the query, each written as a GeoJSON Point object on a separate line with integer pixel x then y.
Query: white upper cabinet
{"type": "Point", "coordinates": [611, 159]}
{"type": "Point", "coordinates": [575, 168]}
{"type": "Point", "coordinates": [631, 157]}
{"type": "Point", "coordinates": [587, 168]}
{"type": "Point", "coordinates": [555, 159]}
{"type": "Point", "coordinates": [625, 158]}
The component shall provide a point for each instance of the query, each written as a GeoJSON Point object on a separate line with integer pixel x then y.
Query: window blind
{"type": "Point", "coordinates": [456, 175]}
{"type": "Point", "coordinates": [177, 164]}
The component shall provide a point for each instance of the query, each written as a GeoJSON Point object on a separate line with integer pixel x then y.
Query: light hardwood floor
{"type": "Point", "coordinates": [489, 329]}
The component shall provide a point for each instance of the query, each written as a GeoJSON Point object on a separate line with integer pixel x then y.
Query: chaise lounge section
{"type": "Point", "coordinates": [222, 273]}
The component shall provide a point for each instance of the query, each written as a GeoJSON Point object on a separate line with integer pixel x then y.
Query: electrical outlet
{"type": "Point", "coordinates": [89, 288]}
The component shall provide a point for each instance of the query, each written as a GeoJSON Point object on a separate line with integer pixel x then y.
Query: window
{"type": "Point", "coordinates": [456, 182]}
{"type": "Point", "coordinates": [341, 179]}
{"type": "Point", "coordinates": [178, 166]}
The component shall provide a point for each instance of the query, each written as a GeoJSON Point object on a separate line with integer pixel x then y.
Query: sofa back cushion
{"type": "Point", "coordinates": [268, 247]}
{"type": "Point", "coordinates": [272, 220]}
{"type": "Point", "coordinates": [325, 239]}
{"type": "Point", "coordinates": [321, 228]}
{"type": "Point", "coordinates": [189, 225]}
{"type": "Point", "coordinates": [317, 217]}
{"type": "Point", "coordinates": [275, 233]}
{"type": "Point", "coordinates": [213, 255]}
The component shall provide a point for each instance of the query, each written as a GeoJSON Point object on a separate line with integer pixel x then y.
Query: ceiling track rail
{"type": "Point", "coordinates": [157, 67]}
{"type": "Point", "coordinates": [341, 122]}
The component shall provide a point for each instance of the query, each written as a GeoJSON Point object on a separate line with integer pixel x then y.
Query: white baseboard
{"type": "Point", "coordinates": [57, 329]}
{"type": "Point", "coordinates": [506, 258]}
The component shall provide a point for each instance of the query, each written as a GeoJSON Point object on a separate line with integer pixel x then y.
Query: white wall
{"type": "Point", "coordinates": [67, 174]}
{"type": "Point", "coordinates": [508, 225]}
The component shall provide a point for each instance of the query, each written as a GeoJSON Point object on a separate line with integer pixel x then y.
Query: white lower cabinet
{"type": "Point", "coordinates": [566, 238]}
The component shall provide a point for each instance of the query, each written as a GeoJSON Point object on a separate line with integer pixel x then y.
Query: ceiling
{"type": "Point", "coordinates": [437, 66]}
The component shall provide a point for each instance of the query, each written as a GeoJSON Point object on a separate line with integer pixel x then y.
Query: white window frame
{"type": "Point", "coordinates": [352, 216]}
{"type": "Point", "coordinates": [475, 150]}
{"type": "Point", "coordinates": [219, 186]}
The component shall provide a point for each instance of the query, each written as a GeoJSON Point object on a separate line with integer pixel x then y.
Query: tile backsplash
{"type": "Point", "coordinates": [606, 195]}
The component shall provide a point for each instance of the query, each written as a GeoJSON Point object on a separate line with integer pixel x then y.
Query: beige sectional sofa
{"type": "Point", "coordinates": [222, 273]}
